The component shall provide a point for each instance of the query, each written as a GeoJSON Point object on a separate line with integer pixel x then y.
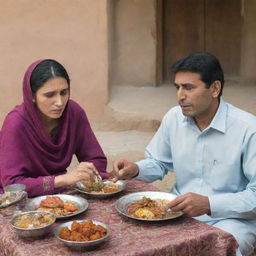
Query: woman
{"type": "Point", "coordinates": [40, 136]}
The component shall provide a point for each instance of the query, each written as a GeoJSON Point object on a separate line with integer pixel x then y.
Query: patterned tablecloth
{"type": "Point", "coordinates": [180, 236]}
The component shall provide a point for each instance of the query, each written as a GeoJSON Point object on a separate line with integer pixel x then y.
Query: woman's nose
{"type": "Point", "coordinates": [59, 100]}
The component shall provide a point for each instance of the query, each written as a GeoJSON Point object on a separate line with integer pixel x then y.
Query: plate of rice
{"type": "Point", "coordinates": [147, 206]}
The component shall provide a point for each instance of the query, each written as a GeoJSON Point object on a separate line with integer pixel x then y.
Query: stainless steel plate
{"type": "Point", "coordinates": [84, 244]}
{"type": "Point", "coordinates": [15, 199]}
{"type": "Point", "coordinates": [80, 187]}
{"type": "Point", "coordinates": [123, 202]}
{"type": "Point", "coordinates": [79, 201]}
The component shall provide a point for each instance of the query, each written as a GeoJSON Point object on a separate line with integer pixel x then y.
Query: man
{"type": "Point", "coordinates": [211, 147]}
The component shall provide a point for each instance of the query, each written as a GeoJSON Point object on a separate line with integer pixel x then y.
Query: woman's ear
{"type": "Point", "coordinates": [216, 87]}
{"type": "Point", "coordinates": [34, 100]}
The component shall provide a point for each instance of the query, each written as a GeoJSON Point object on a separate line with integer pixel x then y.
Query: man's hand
{"type": "Point", "coordinates": [191, 204]}
{"type": "Point", "coordinates": [123, 170]}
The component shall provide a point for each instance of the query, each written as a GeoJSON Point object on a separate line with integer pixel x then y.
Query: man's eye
{"type": "Point", "coordinates": [64, 92]}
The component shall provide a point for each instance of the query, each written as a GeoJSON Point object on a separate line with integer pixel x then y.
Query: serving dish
{"type": "Point", "coordinates": [81, 203]}
{"type": "Point", "coordinates": [11, 197]}
{"type": "Point", "coordinates": [123, 202]}
{"type": "Point", "coordinates": [82, 245]}
{"type": "Point", "coordinates": [33, 232]}
{"type": "Point", "coordinates": [82, 189]}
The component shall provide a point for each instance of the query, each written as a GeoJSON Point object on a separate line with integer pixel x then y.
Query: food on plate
{"type": "Point", "coordinates": [33, 220]}
{"type": "Point", "coordinates": [9, 197]}
{"type": "Point", "coordinates": [147, 208]}
{"type": "Point", "coordinates": [101, 187]}
{"type": "Point", "coordinates": [57, 206]}
{"type": "Point", "coordinates": [83, 231]}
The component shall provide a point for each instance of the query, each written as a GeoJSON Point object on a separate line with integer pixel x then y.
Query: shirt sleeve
{"type": "Point", "coordinates": [158, 155]}
{"type": "Point", "coordinates": [15, 163]}
{"type": "Point", "coordinates": [243, 203]}
{"type": "Point", "coordinates": [89, 149]}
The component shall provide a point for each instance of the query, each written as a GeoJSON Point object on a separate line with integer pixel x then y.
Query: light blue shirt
{"type": "Point", "coordinates": [218, 162]}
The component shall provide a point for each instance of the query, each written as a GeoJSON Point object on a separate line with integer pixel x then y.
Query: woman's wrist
{"type": "Point", "coordinates": [60, 181]}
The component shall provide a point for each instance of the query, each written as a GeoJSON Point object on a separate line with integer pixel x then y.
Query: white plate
{"type": "Point", "coordinates": [123, 202]}
{"type": "Point", "coordinates": [80, 202]}
{"type": "Point", "coordinates": [80, 187]}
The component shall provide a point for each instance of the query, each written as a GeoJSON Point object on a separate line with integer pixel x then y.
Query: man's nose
{"type": "Point", "coordinates": [181, 95]}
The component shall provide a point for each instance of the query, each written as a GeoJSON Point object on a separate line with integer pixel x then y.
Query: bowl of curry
{"type": "Point", "coordinates": [33, 224]}
{"type": "Point", "coordinates": [82, 234]}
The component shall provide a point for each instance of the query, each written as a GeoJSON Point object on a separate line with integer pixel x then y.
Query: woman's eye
{"type": "Point", "coordinates": [49, 95]}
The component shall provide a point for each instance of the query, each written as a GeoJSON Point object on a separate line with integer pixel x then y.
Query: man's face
{"type": "Point", "coordinates": [193, 97]}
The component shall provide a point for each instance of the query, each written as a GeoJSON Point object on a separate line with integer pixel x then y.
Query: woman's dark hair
{"type": "Point", "coordinates": [44, 71]}
{"type": "Point", "coordinates": [204, 63]}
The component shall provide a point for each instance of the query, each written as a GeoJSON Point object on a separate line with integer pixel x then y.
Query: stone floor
{"type": "Point", "coordinates": [134, 114]}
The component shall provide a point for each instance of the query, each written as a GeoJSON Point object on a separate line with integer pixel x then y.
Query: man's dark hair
{"type": "Point", "coordinates": [45, 71]}
{"type": "Point", "coordinates": [204, 63]}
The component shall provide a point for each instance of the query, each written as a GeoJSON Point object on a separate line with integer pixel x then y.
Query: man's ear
{"type": "Point", "coordinates": [215, 88]}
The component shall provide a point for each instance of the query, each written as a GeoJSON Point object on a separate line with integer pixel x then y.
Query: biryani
{"type": "Point", "coordinates": [57, 206]}
{"type": "Point", "coordinates": [147, 208]}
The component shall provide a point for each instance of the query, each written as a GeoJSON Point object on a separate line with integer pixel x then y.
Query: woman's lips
{"type": "Point", "coordinates": [57, 111]}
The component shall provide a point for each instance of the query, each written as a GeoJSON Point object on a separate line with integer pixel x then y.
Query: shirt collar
{"type": "Point", "coordinates": [219, 120]}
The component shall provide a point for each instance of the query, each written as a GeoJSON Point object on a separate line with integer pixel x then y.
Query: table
{"type": "Point", "coordinates": [182, 236]}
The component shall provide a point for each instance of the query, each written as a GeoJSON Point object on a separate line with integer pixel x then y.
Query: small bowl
{"type": "Point", "coordinates": [33, 233]}
{"type": "Point", "coordinates": [15, 188]}
{"type": "Point", "coordinates": [84, 245]}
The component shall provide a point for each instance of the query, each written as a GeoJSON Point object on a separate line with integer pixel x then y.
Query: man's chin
{"type": "Point", "coordinates": [187, 113]}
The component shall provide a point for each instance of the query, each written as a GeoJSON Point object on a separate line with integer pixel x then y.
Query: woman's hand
{"type": "Point", "coordinates": [83, 171]}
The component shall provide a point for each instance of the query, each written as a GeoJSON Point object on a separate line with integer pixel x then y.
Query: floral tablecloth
{"type": "Point", "coordinates": [175, 237]}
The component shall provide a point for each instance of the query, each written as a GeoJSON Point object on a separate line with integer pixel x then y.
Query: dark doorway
{"type": "Point", "coordinates": [202, 25]}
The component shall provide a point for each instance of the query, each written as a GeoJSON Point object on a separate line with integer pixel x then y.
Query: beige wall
{"type": "Point", "coordinates": [134, 42]}
{"type": "Point", "coordinates": [72, 32]}
{"type": "Point", "coordinates": [248, 56]}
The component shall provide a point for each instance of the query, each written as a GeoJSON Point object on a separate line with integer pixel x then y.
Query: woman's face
{"type": "Point", "coordinates": [52, 97]}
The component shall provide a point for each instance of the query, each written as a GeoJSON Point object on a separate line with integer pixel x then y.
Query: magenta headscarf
{"type": "Point", "coordinates": [30, 156]}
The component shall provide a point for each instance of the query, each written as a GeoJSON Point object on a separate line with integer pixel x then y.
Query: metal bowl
{"type": "Point", "coordinates": [33, 233]}
{"type": "Point", "coordinates": [81, 188]}
{"type": "Point", "coordinates": [85, 245]}
{"type": "Point", "coordinates": [15, 188]}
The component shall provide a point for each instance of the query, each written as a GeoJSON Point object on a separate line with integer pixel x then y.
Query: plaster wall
{"type": "Point", "coordinates": [134, 43]}
{"type": "Point", "coordinates": [248, 56]}
{"type": "Point", "coordinates": [72, 32]}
